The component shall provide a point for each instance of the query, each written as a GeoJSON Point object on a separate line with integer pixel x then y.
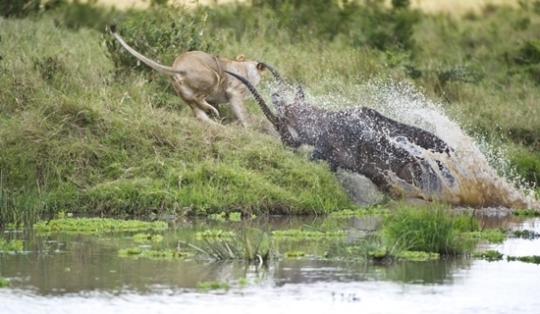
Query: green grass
{"type": "Point", "coordinates": [94, 143]}
{"type": "Point", "coordinates": [433, 228]}
{"type": "Point", "coordinates": [77, 135]}
{"type": "Point", "coordinates": [252, 245]}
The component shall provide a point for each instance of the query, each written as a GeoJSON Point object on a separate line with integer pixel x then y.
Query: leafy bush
{"type": "Point", "coordinates": [322, 19]}
{"type": "Point", "coordinates": [370, 23]}
{"type": "Point", "coordinates": [383, 28]}
{"type": "Point", "coordinates": [23, 8]}
{"type": "Point", "coordinates": [161, 33]}
{"type": "Point", "coordinates": [87, 14]}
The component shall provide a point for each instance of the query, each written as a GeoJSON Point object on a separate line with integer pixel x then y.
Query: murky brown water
{"type": "Point", "coordinates": [63, 273]}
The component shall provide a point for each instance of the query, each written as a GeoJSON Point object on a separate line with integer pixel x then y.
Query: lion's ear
{"type": "Point", "coordinates": [240, 57]}
{"type": "Point", "coordinates": [260, 66]}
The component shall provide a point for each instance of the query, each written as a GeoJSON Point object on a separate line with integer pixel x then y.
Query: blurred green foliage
{"type": "Point", "coordinates": [161, 33]}
{"type": "Point", "coordinates": [23, 8]}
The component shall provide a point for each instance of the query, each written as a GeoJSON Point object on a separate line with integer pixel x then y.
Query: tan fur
{"type": "Point", "coordinates": [198, 79]}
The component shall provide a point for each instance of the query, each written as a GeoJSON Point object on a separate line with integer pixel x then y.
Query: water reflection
{"type": "Point", "coordinates": [64, 268]}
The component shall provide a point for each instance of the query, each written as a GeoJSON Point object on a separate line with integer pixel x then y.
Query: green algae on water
{"type": "Point", "coordinates": [526, 213]}
{"type": "Point", "coordinates": [294, 254]}
{"type": "Point", "coordinates": [97, 225]}
{"type": "Point", "coordinates": [490, 235]}
{"type": "Point", "coordinates": [212, 285]}
{"type": "Point", "coordinates": [235, 216]}
{"type": "Point", "coordinates": [417, 256]}
{"type": "Point", "coordinates": [215, 234]}
{"type": "Point", "coordinates": [166, 254]}
{"type": "Point", "coordinates": [147, 237]}
{"type": "Point", "coordinates": [489, 255]}
{"type": "Point", "coordinates": [3, 282]}
{"type": "Point", "coordinates": [376, 210]}
{"type": "Point", "coordinates": [11, 246]}
{"type": "Point", "coordinates": [525, 234]}
{"type": "Point", "coordinates": [534, 259]}
{"type": "Point", "coordinates": [298, 234]}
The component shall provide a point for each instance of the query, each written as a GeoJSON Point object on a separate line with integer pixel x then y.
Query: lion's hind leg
{"type": "Point", "coordinates": [206, 107]}
{"type": "Point", "coordinates": [199, 106]}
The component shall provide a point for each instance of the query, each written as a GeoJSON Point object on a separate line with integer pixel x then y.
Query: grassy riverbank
{"type": "Point", "coordinates": [75, 138]}
{"type": "Point", "coordinates": [79, 134]}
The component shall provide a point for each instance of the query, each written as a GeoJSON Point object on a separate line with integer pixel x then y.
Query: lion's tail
{"type": "Point", "coordinates": [154, 65]}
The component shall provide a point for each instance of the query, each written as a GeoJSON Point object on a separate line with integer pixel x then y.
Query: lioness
{"type": "Point", "coordinates": [198, 79]}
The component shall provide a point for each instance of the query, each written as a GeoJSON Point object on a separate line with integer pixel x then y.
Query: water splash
{"type": "Point", "coordinates": [476, 174]}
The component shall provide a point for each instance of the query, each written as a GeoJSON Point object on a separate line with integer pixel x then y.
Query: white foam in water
{"type": "Point", "coordinates": [467, 178]}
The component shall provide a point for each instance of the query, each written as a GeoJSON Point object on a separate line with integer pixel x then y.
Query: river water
{"type": "Point", "coordinates": [67, 273]}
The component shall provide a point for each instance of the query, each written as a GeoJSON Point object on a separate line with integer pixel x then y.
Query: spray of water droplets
{"type": "Point", "coordinates": [476, 173]}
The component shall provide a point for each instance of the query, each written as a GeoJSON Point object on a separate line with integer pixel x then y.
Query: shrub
{"type": "Point", "coordinates": [377, 26]}
{"type": "Point", "coordinates": [161, 33]}
{"type": "Point", "coordinates": [322, 19]}
{"type": "Point", "coordinates": [23, 8]}
{"type": "Point", "coordinates": [87, 14]}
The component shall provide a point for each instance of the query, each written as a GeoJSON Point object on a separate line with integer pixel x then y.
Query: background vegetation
{"type": "Point", "coordinates": [86, 129]}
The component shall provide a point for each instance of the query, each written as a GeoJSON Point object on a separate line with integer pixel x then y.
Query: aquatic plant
{"type": "Point", "coordinates": [222, 216]}
{"type": "Point", "coordinates": [3, 282]}
{"type": "Point", "coordinates": [490, 235]}
{"type": "Point", "coordinates": [14, 226]}
{"type": "Point", "coordinates": [17, 209]}
{"type": "Point", "coordinates": [417, 256]}
{"type": "Point", "coordinates": [147, 237]}
{"type": "Point", "coordinates": [526, 212]}
{"type": "Point", "coordinates": [297, 234]}
{"type": "Point", "coordinates": [11, 246]}
{"type": "Point", "coordinates": [218, 216]}
{"type": "Point", "coordinates": [378, 254]}
{"type": "Point", "coordinates": [165, 254]}
{"type": "Point", "coordinates": [294, 254]}
{"type": "Point", "coordinates": [212, 285]}
{"type": "Point", "coordinates": [525, 234]}
{"type": "Point", "coordinates": [250, 245]}
{"type": "Point", "coordinates": [97, 225]}
{"type": "Point", "coordinates": [373, 210]}
{"type": "Point", "coordinates": [432, 228]}
{"type": "Point", "coordinates": [369, 248]}
{"type": "Point", "coordinates": [235, 216]}
{"type": "Point", "coordinates": [535, 259]}
{"type": "Point", "coordinates": [242, 282]}
{"type": "Point", "coordinates": [489, 255]}
{"type": "Point", "coordinates": [214, 233]}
